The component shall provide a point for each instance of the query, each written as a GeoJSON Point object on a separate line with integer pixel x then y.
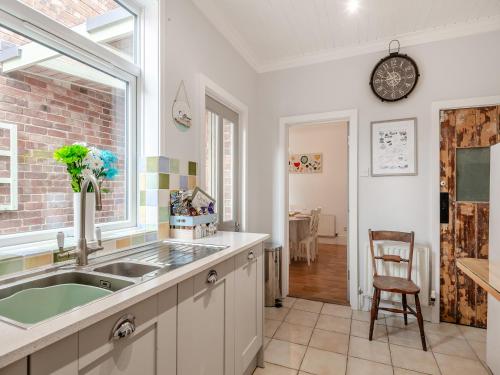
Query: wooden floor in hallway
{"type": "Point", "coordinates": [325, 279]}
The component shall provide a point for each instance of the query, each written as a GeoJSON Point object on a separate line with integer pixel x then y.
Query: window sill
{"type": "Point", "coordinates": [41, 247]}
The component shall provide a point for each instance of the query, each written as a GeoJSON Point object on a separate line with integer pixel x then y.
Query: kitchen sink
{"type": "Point", "coordinates": [31, 301]}
{"type": "Point", "coordinates": [127, 269]}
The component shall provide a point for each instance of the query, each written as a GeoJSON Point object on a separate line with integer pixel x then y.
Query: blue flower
{"type": "Point", "coordinates": [109, 159]}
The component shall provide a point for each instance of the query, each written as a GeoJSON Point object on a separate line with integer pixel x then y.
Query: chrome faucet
{"type": "Point", "coordinates": [83, 250]}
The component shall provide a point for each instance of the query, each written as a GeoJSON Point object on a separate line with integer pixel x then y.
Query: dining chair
{"type": "Point", "coordinates": [307, 248]}
{"type": "Point", "coordinates": [392, 284]}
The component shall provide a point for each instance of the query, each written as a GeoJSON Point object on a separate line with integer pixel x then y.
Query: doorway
{"type": "Point", "coordinates": [351, 117]}
{"type": "Point", "coordinates": [466, 137]}
{"type": "Point", "coordinates": [318, 184]}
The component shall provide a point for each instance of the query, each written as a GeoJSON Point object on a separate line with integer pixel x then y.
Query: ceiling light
{"type": "Point", "coordinates": [352, 6]}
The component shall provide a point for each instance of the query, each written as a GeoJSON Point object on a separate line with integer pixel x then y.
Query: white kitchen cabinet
{"type": "Point", "coordinates": [167, 332]}
{"type": "Point", "coordinates": [205, 333]}
{"type": "Point", "coordinates": [248, 279]}
{"type": "Point", "coordinates": [130, 355]}
{"type": "Point", "coordinates": [17, 368]}
{"type": "Point", "coordinates": [60, 358]}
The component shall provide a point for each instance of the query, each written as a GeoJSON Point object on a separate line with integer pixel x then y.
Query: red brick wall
{"type": "Point", "coordinates": [49, 114]}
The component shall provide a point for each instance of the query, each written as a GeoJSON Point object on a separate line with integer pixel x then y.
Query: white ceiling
{"type": "Point", "coordinates": [279, 34]}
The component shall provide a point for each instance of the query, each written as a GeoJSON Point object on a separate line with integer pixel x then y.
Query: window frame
{"type": "Point", "coordinates": [41, 29]}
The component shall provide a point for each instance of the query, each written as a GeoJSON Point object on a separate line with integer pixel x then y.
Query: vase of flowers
{"type": "Point", "coordinates": [82, 161]}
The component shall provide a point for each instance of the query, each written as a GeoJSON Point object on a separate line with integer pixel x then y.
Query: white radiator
{"type": "Point", "coordinates": [420, 275]}
{"type": "Point", "coordinates": [327, 225]}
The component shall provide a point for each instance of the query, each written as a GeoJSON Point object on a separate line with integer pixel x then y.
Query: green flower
{"type": "Point", "coordinates": [71, 154]}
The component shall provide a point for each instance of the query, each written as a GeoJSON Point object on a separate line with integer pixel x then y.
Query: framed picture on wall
{"type": "Point", "coordinates": [394, 147]}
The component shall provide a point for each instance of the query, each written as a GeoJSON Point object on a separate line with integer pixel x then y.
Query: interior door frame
{"type": "Point", "coordinates": [350, 116]}
{"type": "Point", "coordinates": [212, 89]}
{"type": "Point", "coordinates": [434, 187]}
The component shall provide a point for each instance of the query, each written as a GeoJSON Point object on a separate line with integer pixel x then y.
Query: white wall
{"type": "Point", "coordinates": [458, 68]}
{"type": "Point", "coordinates": [328, 189]}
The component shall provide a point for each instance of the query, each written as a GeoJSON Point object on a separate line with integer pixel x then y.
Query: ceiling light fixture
{"type": "Point", "coordinates": [352, 6]}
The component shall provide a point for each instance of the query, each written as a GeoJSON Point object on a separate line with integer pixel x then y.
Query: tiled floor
{"type": "Point", "coordinates": [307, 337]}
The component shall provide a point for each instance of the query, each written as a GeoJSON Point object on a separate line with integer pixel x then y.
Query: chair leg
{"type": "Point", "coordinates": [405, 308]}
{"type": "Point", "coordinates": [420, 320]}
{"type": "Point", "coordinates": [308, 253]}
{"type": "Point", "coordinates": [374, 311]}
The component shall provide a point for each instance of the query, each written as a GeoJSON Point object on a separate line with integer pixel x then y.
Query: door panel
{"type": "Point", "coordinates": [466, 233]}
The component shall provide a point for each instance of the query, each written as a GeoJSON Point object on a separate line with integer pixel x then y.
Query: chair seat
{"type": "Point", "coordinates": [395, 284]}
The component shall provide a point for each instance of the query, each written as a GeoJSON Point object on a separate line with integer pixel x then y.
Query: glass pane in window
{"type": "Point", "coordinates": [55, 100]}
{"type": "Point", "coordinates": [227, 169]}
{"type": "Point", "coordinates": [211, 122]}
{"type": "Point", "coordinates": [103, 21]}
{"type": "Point", "coordinates": [473, 174]}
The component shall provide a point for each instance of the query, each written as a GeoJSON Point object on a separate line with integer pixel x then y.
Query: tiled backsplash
{"type": "Point", "coordinates": [158, 176]}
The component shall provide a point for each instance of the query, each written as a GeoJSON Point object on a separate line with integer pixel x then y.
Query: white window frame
{"type": "Point", "coordinates": [36, 26]}
{"type": "Point", "coordinates": [12, 154]}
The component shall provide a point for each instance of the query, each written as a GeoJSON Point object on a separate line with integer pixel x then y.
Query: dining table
{"type": "Point", "coordinates": [298, 230]}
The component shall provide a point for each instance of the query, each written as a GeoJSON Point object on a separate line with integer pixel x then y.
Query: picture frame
{"type": "Point", "coordinates": [305, 163]}
{"type": "Point", "coordinates": [394, 147]}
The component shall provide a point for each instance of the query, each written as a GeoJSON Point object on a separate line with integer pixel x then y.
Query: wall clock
{"type": "Point", "coordinates": [394, 77]}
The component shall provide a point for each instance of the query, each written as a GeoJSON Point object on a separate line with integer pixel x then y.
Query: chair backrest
{"type": "Point", "coordinates": [313, 226]}
{"type": "Point", "coordinates": [406, 237]}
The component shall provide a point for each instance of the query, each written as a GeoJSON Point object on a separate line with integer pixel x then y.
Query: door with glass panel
{"type": "Point", "coordinates": [222, 162]}
{"type": "Point", "coordinates": [466, 137]}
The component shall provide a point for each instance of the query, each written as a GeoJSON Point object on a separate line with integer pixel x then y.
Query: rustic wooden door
{"type": "Point", "coordinates": [466, 135]}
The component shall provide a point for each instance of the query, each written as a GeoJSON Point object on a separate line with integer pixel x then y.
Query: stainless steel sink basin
{"type": "Point", "coordinates": [127, 269]}
{"type": "Point", "coordinates": [34, 300]}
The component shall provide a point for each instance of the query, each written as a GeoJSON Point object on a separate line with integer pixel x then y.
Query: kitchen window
{"type": "Point", "coordinates": [59, 90]}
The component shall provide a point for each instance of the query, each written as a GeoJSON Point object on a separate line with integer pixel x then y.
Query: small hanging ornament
{"type": "Point", "coordinates": [181, 110]}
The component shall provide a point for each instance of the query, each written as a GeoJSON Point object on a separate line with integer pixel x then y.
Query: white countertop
{"type": "Point", "coordinates": [17, 343]}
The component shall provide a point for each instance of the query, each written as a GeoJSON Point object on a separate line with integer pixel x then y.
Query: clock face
{"type": "Point", "coordinates": [394, 77]}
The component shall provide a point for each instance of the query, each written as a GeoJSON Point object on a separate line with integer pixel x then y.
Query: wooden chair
{"type": "Point", "coordinates": [308, 246]}
{"type": "Point", "coordinates": [394, 284]}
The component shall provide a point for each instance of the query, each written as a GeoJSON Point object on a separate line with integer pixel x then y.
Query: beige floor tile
{"type": "Point", "coordinates": [452, 365]}
{"type": "Point", "coordinates": [288, 301]}
{"type": "Point", "coordinates": [284, 353]}
{"type": "Point", "coordinates": [321, 362]}
{"type": "Point", "coordinates": [413, 359]}
{"type": "Point", "coordinates": [271, 369]}
{"type": "Point", "coordinates": [357, 366]}
{"type": "Point", "coordinates": [398, 321]}
{"type": "Point", "coordinates": [270, 327]}
{"type": "Point", "coordinates": [479, 348]}
{"type": "Point", "coordinates": [304, 318]}
{"type": "Point", "coordinates": [330, 341]}
{"type": "Point", "coordinates": [332, 323]}
{"type": "Point", "coordinates": [295, 333]}
{"type": "Point", "coordinates": [275, 313]}
{"type": "Point", "coordinates": [371, 350]}
{"type": "Point", "coordinates": [405, 337]}
{"type": "Point", "coordinates": [306, 305]}
{"type": "Point", "coordinates": [445, 329]}
{"type": "Point", "coordinates": [450, 345]}
{"type": "Point", "coordinates": [364, 316]}
{"type": "Point", "coordinates": [337, 310]}
{"type": "Point", "coordinates": [402, 371]}
{"type": "Point", "coordinates": [471, 333]}
{"type": "Point", "coordinates": [362, 329]}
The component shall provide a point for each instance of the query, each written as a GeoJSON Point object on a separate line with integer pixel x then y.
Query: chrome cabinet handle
{"type": "Point", "coordinates": [251, 255]}
{"type": "Point", "coordinates": [212, 277]}
{"type": "Point", "coordinates": [124, 327]}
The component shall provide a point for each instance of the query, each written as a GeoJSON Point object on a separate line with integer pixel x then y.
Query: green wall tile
{"type": "Point", "coordinates": [143, 198]}
{"type": "Point", "coordinates": [152, 164]}
{"type": "Point", "coordinates": [164, 214]}
{"type": "Point", "coordinates": [11, 265]}
{"type": "Point", "coordinates": [174, 165]}
{"type": "Point", "coordinates": [163, 181]}
{"type": "Point", "coordinates": [192, 168]}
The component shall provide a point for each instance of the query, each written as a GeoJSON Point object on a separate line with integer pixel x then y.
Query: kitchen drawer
{"type": "Point", "coordinates": [222, 269]}
{"type": "Point", "coordinates": [248, 255]}
{"type": "Point", "coordinates": [95, 341]}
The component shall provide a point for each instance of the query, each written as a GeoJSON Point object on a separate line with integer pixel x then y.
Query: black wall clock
{"type": "Point", "coordinates": [394, 77]}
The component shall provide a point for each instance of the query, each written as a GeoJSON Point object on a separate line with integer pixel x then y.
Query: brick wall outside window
{"type": "Point", "coordinates": [49, 114]}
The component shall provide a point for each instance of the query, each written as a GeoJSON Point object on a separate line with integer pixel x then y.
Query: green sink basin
{"type": "Point", "coordinates": [34, 305]}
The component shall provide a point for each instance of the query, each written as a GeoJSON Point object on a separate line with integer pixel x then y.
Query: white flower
{"type": "Point", "coordinates": [93, 160]}
{"type": "Point", "coordinates": [87, 173]}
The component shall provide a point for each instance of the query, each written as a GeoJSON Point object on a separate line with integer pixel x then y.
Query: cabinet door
{"type": "Point", "coordinates": [17, 368]}
{"type": "Point", "coordinates": [131, 355]}
{"type": "Point", "coordinates": [205, 344]}
{"type": "Point", "coordinates": [167, 332]}
{"type": "Point", "coordinates": [248, 280]}
{"type": "Point", "coordinates": [60, 358]}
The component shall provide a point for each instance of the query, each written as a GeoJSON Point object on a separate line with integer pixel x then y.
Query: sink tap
{"type": "Point", "coordinates": [83, 250]}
